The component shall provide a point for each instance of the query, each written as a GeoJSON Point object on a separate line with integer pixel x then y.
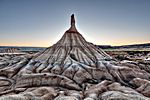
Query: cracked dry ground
{"type": "Point", "coordinates": [72, 69]}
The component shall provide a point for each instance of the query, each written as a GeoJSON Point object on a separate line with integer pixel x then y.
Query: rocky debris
{"type": "Point", "coordinates": [105, 90]}
{"type": "Point", "coordinates": [66, 98]}
{"type": "Point", "coordinates": [142, 86]}
{"type": "Point", "coordinates": [116, 95]}
{"type": "Point", "coordinates": [42, 93]}
{"type": "Point", "coordinates": [72, 69]}
{"type": "Point", "coordinates": [95, 90]}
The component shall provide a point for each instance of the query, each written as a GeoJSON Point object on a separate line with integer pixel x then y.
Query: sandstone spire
{"type": "Point", "coordinates": [72, 20]}
{"type": "Point", "coordinates": [73, 26]}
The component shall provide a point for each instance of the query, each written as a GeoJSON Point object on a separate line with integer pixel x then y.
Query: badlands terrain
{"type": "Point", "coordinates": [74, 69]}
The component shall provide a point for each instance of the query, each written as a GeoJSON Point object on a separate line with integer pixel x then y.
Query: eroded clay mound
{"type": "Point", "coordinates": [72, 69]}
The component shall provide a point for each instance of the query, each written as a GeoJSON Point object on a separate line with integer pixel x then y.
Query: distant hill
{"type": "Point", "coordinates": [24, 49]}
{"type": "Point", "coordinates": [146, 45]}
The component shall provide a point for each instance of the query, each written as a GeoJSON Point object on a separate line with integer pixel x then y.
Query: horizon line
{"type": "Point", "coordinates": [92, 43]}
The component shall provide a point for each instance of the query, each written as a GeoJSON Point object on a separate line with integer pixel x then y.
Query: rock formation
{"type": "Point", "coordinates": [72, 69]}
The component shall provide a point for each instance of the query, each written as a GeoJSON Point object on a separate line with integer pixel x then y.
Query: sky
{"type": "Point", "coordinates": [103, 22]}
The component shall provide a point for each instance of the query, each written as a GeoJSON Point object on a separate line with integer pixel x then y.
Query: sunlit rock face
{"type": "Point", "coordinates": [72, 69]}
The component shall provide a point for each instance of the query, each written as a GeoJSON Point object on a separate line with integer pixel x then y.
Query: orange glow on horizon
{"type": "Point", "coordinates": [49, 43]}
